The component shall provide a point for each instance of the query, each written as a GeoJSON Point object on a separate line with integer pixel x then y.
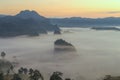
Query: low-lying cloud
{"type": "Point", "coordinates": [112, 12]}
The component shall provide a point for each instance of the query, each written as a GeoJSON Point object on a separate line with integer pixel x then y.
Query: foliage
{"type": "Point", "coordinates": [3, 54]}
{"type": "Point", "coordinates": [56, 76]}
{"type": "Point", "coordinates": [1, 76]}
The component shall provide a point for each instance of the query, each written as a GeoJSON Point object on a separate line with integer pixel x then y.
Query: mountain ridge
{"type": "Point", "coordinates": [86, 22]}
{"type": "Point", "coordinates": [25, 23]}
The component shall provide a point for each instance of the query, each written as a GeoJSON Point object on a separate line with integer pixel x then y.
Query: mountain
{"type": "Point", "coordinates": [86, 22]}
{"type": "Point", "coordinates": [2, 15]}
{"type": "Point", "coordinates": [30, 14]}
{"type": "Point", "coordinates": [25, 23]}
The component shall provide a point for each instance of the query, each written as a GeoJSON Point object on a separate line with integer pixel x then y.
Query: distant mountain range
{"type": "Point", "coordinates": [2, 15]}
{"type": "Point", "coordinates": [25, 23]}
{"type": "Point", "coordinates": [31, 23]}
{"type": "Point", "coordinates": [86, 22]}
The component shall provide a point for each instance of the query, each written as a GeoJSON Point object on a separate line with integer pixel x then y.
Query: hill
{"type": "Point", "coordinates": [61, 45]}
{"type": "Point", "coordinates": [86, 22]}
{"type": "Point", "coordinates": [25, 23]}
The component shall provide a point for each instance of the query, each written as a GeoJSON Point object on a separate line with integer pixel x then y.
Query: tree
{"type": "Point", "coordinates": [1, 76]}
{"type": "Point", "coordinates": [16, 77]}
{"type": "Point", "coordinates": [107, 77]}
{"type": "Point", "coordinates": [12, 68]}
{"type": "Point", "coordinates": [25, 70]}
{"type": "Point", "coordinates": [8, 71]}
{"type": "Point", "coordinates": [3, 54]}
{"type": "Point", "coordinates": [20, 71]}
{"type": "Point", "coordinates": [31, 71]}
{"type": "Point", "coordinates": [56, 76]}
{"type": "Point", "coordinates": [67, 79]}
{"type": "Point", "coordinates": [37, 75]}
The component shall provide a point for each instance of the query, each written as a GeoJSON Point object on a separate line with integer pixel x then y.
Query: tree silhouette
{"type": "Point", "coordinates": [36, 75]}
{"type": "Point", "coordinates": [3, 54]}
{"type": "Point", "coordinates": [107, 77]}
{"type": "Point", "coordinates": [8, 71]}
{"type": "Point", "coordinates": [16, 77]}
{"type": "Point", "coordinates": [67, 79]}
{"type": "Point", "coordinates": [31, 71]}
{"type": "Point", "coordinates": [1, 76]}
{"type": "Point", "coordinates": [25, 70]}
{"type": "Point", "coordinates": [12, 68]}
{"type": "Point", "coordinates": [56, 76]}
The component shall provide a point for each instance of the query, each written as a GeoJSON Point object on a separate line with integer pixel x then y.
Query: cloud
{"type": "Point", "coordinates": [112, 12]}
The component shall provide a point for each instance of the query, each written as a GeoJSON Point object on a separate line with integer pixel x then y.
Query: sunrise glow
{"type": "Point", "coordinates": [64, 8]}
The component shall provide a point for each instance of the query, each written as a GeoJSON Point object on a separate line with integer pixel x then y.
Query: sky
{"type": "Point", "coordinates": [63, 8]}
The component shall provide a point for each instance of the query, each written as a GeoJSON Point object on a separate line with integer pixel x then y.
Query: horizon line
{"type": "Point", "coordinates": [59, 16]}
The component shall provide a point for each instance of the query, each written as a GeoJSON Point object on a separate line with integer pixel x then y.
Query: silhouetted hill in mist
{"type": "Point", "coordinates": [25, 23]}
{"type": "Point", "coordinates": [86, 22]}
{"type": "Point", "coordinates": [61, 45]}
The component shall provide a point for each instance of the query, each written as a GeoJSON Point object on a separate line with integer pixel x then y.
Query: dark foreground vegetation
{"type": "Point", "coordinates": [8, 72]}
{"type": "Point", "coordinates": [23, 73]}
{"type": "Point", "coordinates": [28, 74]}
{"type": "Point", "coordinates": [31, 74]}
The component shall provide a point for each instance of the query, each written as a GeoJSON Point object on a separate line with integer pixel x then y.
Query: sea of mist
{"type": "Point", "coordinates": [98, 53]}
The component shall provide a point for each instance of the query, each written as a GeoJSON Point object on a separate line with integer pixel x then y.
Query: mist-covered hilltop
{"type": "Point", "coordinates": [25, 23]}
{"type": "Point", "coordinates": [86, 22]}
{"type": "Point", "coordinates": [61, 45]}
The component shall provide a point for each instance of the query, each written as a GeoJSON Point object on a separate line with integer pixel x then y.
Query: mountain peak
{"type": "Point", "coordinates": [25, 14]}
{"type": "Point", "coordinates": [28, 12]}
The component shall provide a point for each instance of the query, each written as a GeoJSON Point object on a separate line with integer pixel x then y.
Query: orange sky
{"type": "Point", "coordinates": [63, 8]}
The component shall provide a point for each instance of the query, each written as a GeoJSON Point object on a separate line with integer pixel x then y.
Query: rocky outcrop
{"type": "Point", "coordinates": [57, 32]}
{"type": "Point", "coordinates": [62, 45]}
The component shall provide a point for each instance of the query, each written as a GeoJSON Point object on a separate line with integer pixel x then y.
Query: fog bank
{"type": "Point", "coordinates": [98, 53]}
